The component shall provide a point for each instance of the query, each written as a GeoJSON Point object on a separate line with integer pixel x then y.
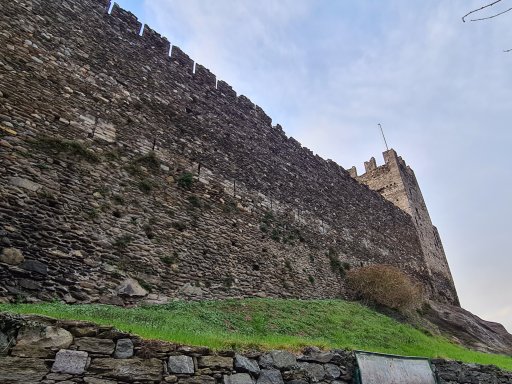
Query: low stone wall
{"type": "Point", "coordinates": [35, 349]}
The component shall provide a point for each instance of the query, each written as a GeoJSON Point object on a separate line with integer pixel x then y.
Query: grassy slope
{"type": "Point", "coordinates": [265, 323]}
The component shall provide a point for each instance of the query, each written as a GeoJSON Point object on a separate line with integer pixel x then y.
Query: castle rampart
{"type": "Point", "coordinates": [259, 218]}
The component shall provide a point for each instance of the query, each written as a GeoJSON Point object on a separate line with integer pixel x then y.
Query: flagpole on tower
{"type": "Point", "coordinates": [384, 137]}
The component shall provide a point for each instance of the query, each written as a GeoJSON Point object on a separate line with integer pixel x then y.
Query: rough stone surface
{"type": "Point", "coordinates": [124, 349]}
{"type": "Point", "coordinates": [41, 341]}
{"type": "Point", "coordinates": [131, 287]}
{"type": "Point", "coordinates": [180, 364]}
{"type": "Point", "coordinates": [315, 372]}
{"type": "Point", "coordinates": [72, 362]}
{"type": "Point", "coordinates": [243, 364]}
{"type": "Point", "coordinates": [15, 370]}
{"type": "Point", "coordinates": [239, 378]}
{"type": "Point", "coordinates": [283, 359]}
{"type": "Point", "coordinates": [216, 362]}
{"type": "Point", "coordinates": [11, 256]}
{"type": "Point", "coordinates": [270, 376]}
{"type": "Point", "coordinates": [95, 345]}
{"type": "Point", "coordinates": [128, 369]}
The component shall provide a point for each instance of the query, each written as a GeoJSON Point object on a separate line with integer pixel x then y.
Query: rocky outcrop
{"type": "Point", "coordinates": [469, 330]}
{"type": "Point", "coordinates": [141, 361]}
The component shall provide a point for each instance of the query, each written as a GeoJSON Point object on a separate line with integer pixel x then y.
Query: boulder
{"type": "Point", "coordinates": [41, 341]}
{"type": "Point", "coordinates": [72, 362]}
{"type": "Point", "coordinates": [95, 345]}
{"type": "Point", "coordinates": [468, 329]}
{"type": "Point", "coordinates": [128, 369]}
{"type": "Point", "coordinates": [15, 370]}
{"type": "Point", "coordinates": [181, 364]}
{"type": "Point", "coordinates": [12, 256]}
{"type": "Point", "coordinates": [131, 287]}
{"type": "Point", "coordinates": [124, 349]}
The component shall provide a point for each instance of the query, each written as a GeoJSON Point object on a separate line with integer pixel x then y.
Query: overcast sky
{"type": "Point", "coordinates": [328, 71]}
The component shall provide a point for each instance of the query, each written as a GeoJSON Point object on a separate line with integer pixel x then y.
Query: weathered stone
{"type": "Point", "coordinates": [131, 287]}
{"type": "Point", "coordinates": [41, 341]}
{"type": "Point", "coordinates": [12, 256]}
{"type": "Point", "coordinates": [270, 376]}
{"type": "Point", "coordinates": [214, 361]}
{"type": "Point", "coordinates": [72, 362]}
{"type": "Point", "coordinates": [332, 371]}
{"type": "Point", "coordinates": [5, 343]}
{"type": "Point", "coordinates": [15, 370]}
{"type": "Point", "coordinates": [35, 266]}
{"type": "Point", "coordinates": [239, 378]}
{"type": "Point", "coordinates": [317, 356]}
{"type": "Point", "coordinates": [29, 284]}
{"type": "Point", "coordinates": [181, 364]}
{"type": "Point", "coordinates": [191, 290]}
{"type": "Point", "coordinates": [127, 369]}
{"type": "Point", "coordinates": [95, 345]}
{"type": "Point", "coordinates": [124, 349]}
{"type": "Point", "coordinates": [243, 364]}
{"type": "Point", "coordinates": [25, 184]}
{"type": "Point", "coordinates": [315, 372]}
{"type": "Point", "coordinates": [279, 359]}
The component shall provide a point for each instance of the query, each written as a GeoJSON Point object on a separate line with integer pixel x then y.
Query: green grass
{"type": "Point", "coordinates": [266, 324]}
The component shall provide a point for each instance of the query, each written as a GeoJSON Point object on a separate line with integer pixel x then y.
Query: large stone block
{"type": "Point", "coordinates": [95, 345]}
{"type": "Point", "coordinates": [15, 370]}
{"type": "Point", "coordinates": [181, 364]}
{"type": "Point", "coordinates": [124, 349]}
{"type": "Point", "coordinates": [41, 341]}
{"type": "Point", "coordinates": [216, 362]}
{"type": "Point", "coordinates": [243, 364]}
{"type": "Point", "coordinates": [72, 362]}
{"type": "Point", "coordinates": [128, 369]}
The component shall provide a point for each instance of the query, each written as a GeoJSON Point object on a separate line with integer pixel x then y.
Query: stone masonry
{"type": "Point", "coordinates": [70, 352]}
{"type": "Point", "coordinates": [128, 173]}
{"type": "Point", "coordinates": [396, 182]}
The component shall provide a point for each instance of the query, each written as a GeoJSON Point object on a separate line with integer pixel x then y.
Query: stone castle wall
{"type": "Point", "coordinates": [48, 351]}
{"type": "Point", "coordinates": [396, 181]}
{"type": "Point", "coordinates": [112, 215]}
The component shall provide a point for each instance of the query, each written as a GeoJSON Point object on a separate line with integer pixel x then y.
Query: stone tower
{"type": "Point", "coordinates": [396, 182]}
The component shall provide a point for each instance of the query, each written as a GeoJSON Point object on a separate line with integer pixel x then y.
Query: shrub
{"type": "Point", "coordinates": [194, 201]}
{"type": "Point", "coordinates": [385, 285]}
{"type": "Point", "coordinates": [149, 161]}
{"type": "Point", "coordinates": [122, 241]}
{"type": "Point", "coordinates": [145, 186]}
{"type": "Point", "coordinates": [186, 180]}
